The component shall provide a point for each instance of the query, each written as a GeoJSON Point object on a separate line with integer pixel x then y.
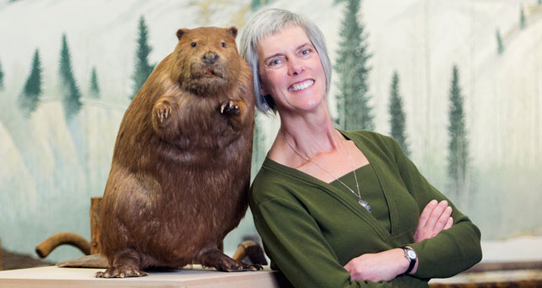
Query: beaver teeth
{"type": "Point", "coordinates": [301, 86]}
{"type": "Point", "coordinates": [209, 73]}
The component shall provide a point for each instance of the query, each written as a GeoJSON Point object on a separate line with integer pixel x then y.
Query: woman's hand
{"type": "Point", "coordinates": [387, 265]}
{"type": "Point", "coordinates": [383, 266]}
{"type": "Point", "coordinates": [435, 217]}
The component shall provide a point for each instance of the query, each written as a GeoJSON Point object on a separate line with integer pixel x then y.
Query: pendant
{"type": "Point", "coordinates": [365, 205]}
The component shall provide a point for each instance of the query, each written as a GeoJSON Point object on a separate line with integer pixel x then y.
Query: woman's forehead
{"type": "Point", "coordinates": [285, 38]}
{"type": "Point", "coordinates": [279, 31]}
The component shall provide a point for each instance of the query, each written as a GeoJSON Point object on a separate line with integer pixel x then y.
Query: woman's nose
{"type": "Point", "coordinates": [295, 68]}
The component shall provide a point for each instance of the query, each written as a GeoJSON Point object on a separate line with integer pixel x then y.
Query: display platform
{"type": "Point", "coordinates": [196, 277]}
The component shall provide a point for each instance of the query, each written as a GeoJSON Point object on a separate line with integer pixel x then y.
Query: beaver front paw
{"type": "Point", "coordinates": [230, 108]}
{"type": "Point", "coordinates": [162, 110]}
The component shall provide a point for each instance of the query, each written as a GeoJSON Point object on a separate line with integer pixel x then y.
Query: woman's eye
{"type": "Point", "coordinates": [274, 62]}
{"type": "Point", "coordinates": [305, 51]}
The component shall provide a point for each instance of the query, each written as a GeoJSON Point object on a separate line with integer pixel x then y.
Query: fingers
{"type": "Point", "coordinates": [349, 266]}
{"type": "Point", "coordinates": [443, 220]}
{"type": "Point", "coordinates": [426, 213]}
{"type": "Point", "coordinates": [435, 217]}
{"type": "Point", "coordinates": [436, 213]}
{"type": "Point", "coordinates": [449, 224]}
{"type": "Point", "coordinates": [355, 273]}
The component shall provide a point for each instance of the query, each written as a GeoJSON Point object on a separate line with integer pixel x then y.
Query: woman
{"type": "Point", "coordinates": [340, 208]}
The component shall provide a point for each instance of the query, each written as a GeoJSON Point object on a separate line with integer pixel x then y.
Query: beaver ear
{"type": "Point", "coordinates": [180, 33]}
{"type": "Point", "coordinates": [233, 31]}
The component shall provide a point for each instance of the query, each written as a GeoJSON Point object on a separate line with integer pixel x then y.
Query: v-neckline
{"type": "Point", "coordinates": [352, 205]}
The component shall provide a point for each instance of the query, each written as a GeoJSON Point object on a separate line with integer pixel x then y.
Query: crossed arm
{"type": "Point", "coordinates": [294, 225]}
{"type": "Point", "coordinates": [387, 265]}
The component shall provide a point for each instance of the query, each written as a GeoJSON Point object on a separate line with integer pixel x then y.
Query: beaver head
{"type": "Point", "coordinates": [206, 59]}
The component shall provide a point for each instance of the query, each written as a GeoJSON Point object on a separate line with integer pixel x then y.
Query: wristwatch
{"type": "Point", "coordinates": [411, 256]}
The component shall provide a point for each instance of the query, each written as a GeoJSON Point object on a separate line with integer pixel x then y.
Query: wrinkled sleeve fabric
{"type": "Point", "coordinates": [294, 242]}
{"type": "Point", "coordinates": [298, 237]}
{"type": "Point", "coordinates": [451, 251]}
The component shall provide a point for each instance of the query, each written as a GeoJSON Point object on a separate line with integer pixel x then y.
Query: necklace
{"type": "Point", "coordinates": [361, 202]}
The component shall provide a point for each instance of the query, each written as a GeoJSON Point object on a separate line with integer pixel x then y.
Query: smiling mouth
{"type": "Point", "coordinates": [300, 86]}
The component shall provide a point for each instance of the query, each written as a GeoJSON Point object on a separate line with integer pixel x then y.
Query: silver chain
{"type": "Point", "coordinates": [361, 202]}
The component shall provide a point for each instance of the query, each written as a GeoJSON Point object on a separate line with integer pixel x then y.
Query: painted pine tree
{"type": "Point", "coordinates": [1, 77]}
{"type": "Point", "coordinates": [94, 87]}
{"type": "Point", "coordinates": [30, 96]}
{"type": "Point", "coordinates": [522, 20]}
{"type": "Point", "coordinates": [500, 46]}
{"type": "Point", "coordinates": [71, 96]}
{"type": "Point", "coordinates": [142, 67]}
{"type": "Point", "coordinates": [256, 4]}
{"type": "Point", "coordinates": [458, 150]}
{"type": "Point", "coordinates": [397, 114]}
{"type": "Point", "coordinates": [354, 112]}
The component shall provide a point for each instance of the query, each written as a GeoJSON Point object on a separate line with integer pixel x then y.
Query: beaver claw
{"type": "Point", "coordinates": [230, 108]}
{"type": "Point", "coordinates": [120, 272]}
{"type": "Point", "coordinates": [162, 112]}
{"type": "Point", "coordinates": [241, 266]}
{"type": "Point", "coordinates": [215, 258]}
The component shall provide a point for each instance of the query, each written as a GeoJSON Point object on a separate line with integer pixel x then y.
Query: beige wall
{"type": "Point", "coordinates": [47, 177]}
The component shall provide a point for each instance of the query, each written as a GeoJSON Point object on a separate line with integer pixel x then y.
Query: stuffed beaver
{"type": "Point", "coordinates": [180, 173]}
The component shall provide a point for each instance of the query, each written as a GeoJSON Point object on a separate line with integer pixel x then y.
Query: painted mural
{"type": "Point", "coordinates": [457, 83]}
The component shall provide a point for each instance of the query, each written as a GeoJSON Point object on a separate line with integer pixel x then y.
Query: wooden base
{"type": "Point", "coordinates": [57, 277]}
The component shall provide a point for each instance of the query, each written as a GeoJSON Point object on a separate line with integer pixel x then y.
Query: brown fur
{"type": "Point", "coordinates": [181, 165]}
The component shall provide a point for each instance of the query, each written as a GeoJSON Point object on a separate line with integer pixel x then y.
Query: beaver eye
{"type": "Point", "coordinates": [193, 44]}
{"type": "Point", "coordinates": [223, 44]}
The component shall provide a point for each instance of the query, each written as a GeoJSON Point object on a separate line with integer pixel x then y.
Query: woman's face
{"type": "Point", "coordinates": [291, 70]}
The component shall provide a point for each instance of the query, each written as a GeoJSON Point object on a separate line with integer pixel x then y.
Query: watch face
{"type": "Point", "coordinates": [411, 254]}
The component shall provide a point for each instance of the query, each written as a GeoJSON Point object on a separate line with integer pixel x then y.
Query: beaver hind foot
{"type": "Point", "coordinates": [125, 264]}
{"type": "Point", "coordinates": [121, 271]}
{"type": "Point", "coordinates": [221, 262]}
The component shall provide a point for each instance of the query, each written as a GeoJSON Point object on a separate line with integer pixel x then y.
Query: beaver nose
{"type": "Point", "coordinates": [210, 57]}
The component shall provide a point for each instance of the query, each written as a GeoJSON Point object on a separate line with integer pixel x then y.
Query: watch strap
{"type": "Point", "coordinates": [411, 260]}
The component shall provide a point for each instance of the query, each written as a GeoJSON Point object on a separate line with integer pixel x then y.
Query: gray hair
{"type": "Point", "coordinates": [265, 24]}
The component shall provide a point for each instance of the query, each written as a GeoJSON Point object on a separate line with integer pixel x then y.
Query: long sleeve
{"type": "Point", "coordinates": [453, 250]}
{"type": "Point", "coordinates": [311, 229]}
{"type": "Point", "coordinates": [294, 242]}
